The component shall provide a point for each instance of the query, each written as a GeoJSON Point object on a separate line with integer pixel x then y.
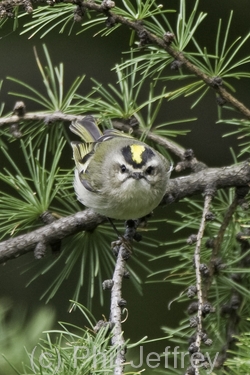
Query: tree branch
{"type": "Point", "coordinates": [162, 141]}
{"type": "Point", "coordinates": [177, 55]}
{"type": "Point", "coordinates": [224, 177]}
{"type": "Point", "coordinates": [59, 229]}
{"type": "Point", "coordinates": [116, 313]}
{"type": "Point", "coordinates": [50, 118]}
{"type": "Point", "coordinates": [179, 188]}
{"type": "Point", "coordinates": [208, 199]}
{"type": "Point", "coordinates": [123, 250]}
{"type": "Point", "coordinates": [138, 26]}
{"type": "Point", "coordinates": [38, 116]}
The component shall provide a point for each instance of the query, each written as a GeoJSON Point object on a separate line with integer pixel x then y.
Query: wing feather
{"type": "Point", "coordinates": [82, 152]}
{"type": "Point", "coordinates": [86, 129]}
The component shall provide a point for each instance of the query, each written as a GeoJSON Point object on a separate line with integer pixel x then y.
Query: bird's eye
{"type": "Point", "coordinates": [123, 168]}
{"type": "Point", "coordinates": [149, 170]}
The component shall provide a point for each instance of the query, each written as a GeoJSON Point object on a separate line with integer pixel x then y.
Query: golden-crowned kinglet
{"type": "Point", "coordinates": [116, 175]}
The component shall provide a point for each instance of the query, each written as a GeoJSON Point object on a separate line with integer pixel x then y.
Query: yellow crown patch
{"type": "Point", "coordinates": [136, 152]}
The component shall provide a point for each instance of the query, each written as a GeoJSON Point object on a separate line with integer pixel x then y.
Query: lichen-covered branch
{"type": "Point", "coordinates": [57, 230]}
{"type": "Point", "coordinates": [221, 178]}
{"type": "Point", "coordinates": [117, 302]}
{"type": "Point", "coordinates": [116, 305]}
{"type": "Point", "coordinates": [197, 264]}
{"type": "Point", "coordinates": [122, 250]}
{"type": "Point", "coordinates": [48, 118]}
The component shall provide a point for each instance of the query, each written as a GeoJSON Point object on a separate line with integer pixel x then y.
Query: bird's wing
{"type": "Point", "coordinates": [86, 129]}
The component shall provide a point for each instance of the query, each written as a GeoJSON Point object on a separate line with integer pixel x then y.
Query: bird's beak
{"type": "Point", "coordinates": [137, 175]}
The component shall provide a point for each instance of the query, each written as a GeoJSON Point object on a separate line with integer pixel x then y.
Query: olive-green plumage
{"type": "Point", "coordinates": [116, 175]}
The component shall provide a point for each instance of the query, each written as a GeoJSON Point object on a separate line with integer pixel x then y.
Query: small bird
{"type": "Point", "coordinates": [116, 175]}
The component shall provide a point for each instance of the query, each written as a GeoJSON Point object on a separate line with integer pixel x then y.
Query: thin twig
{"type": "Point", "coordinates": [223, 227]}
{"type": "Point", "coordinates": [177, 55]}
{"type": "Point", "coordinates": [232, 309]}
{"type": "Point", "coordinates": [123, 249]}
{"type": "Point", "coordinates": [217, 244]}
{"type": "Point", "coordinates": [141, 29]}
{"type": "Point", "coordinates": [116, 312]}
{"type": "Point", "coordinates": [197, 263]}
{"type": "Point", "coordinates": [48, 118]}
{"type": "Point", "coordinates": [162, 141]}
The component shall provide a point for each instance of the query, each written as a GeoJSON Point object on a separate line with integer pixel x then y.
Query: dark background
{"type": "Point", "coordinates": [84, 54]}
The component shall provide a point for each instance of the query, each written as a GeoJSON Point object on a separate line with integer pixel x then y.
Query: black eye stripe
{"type": "Point", "coordinates": [138, 160]}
